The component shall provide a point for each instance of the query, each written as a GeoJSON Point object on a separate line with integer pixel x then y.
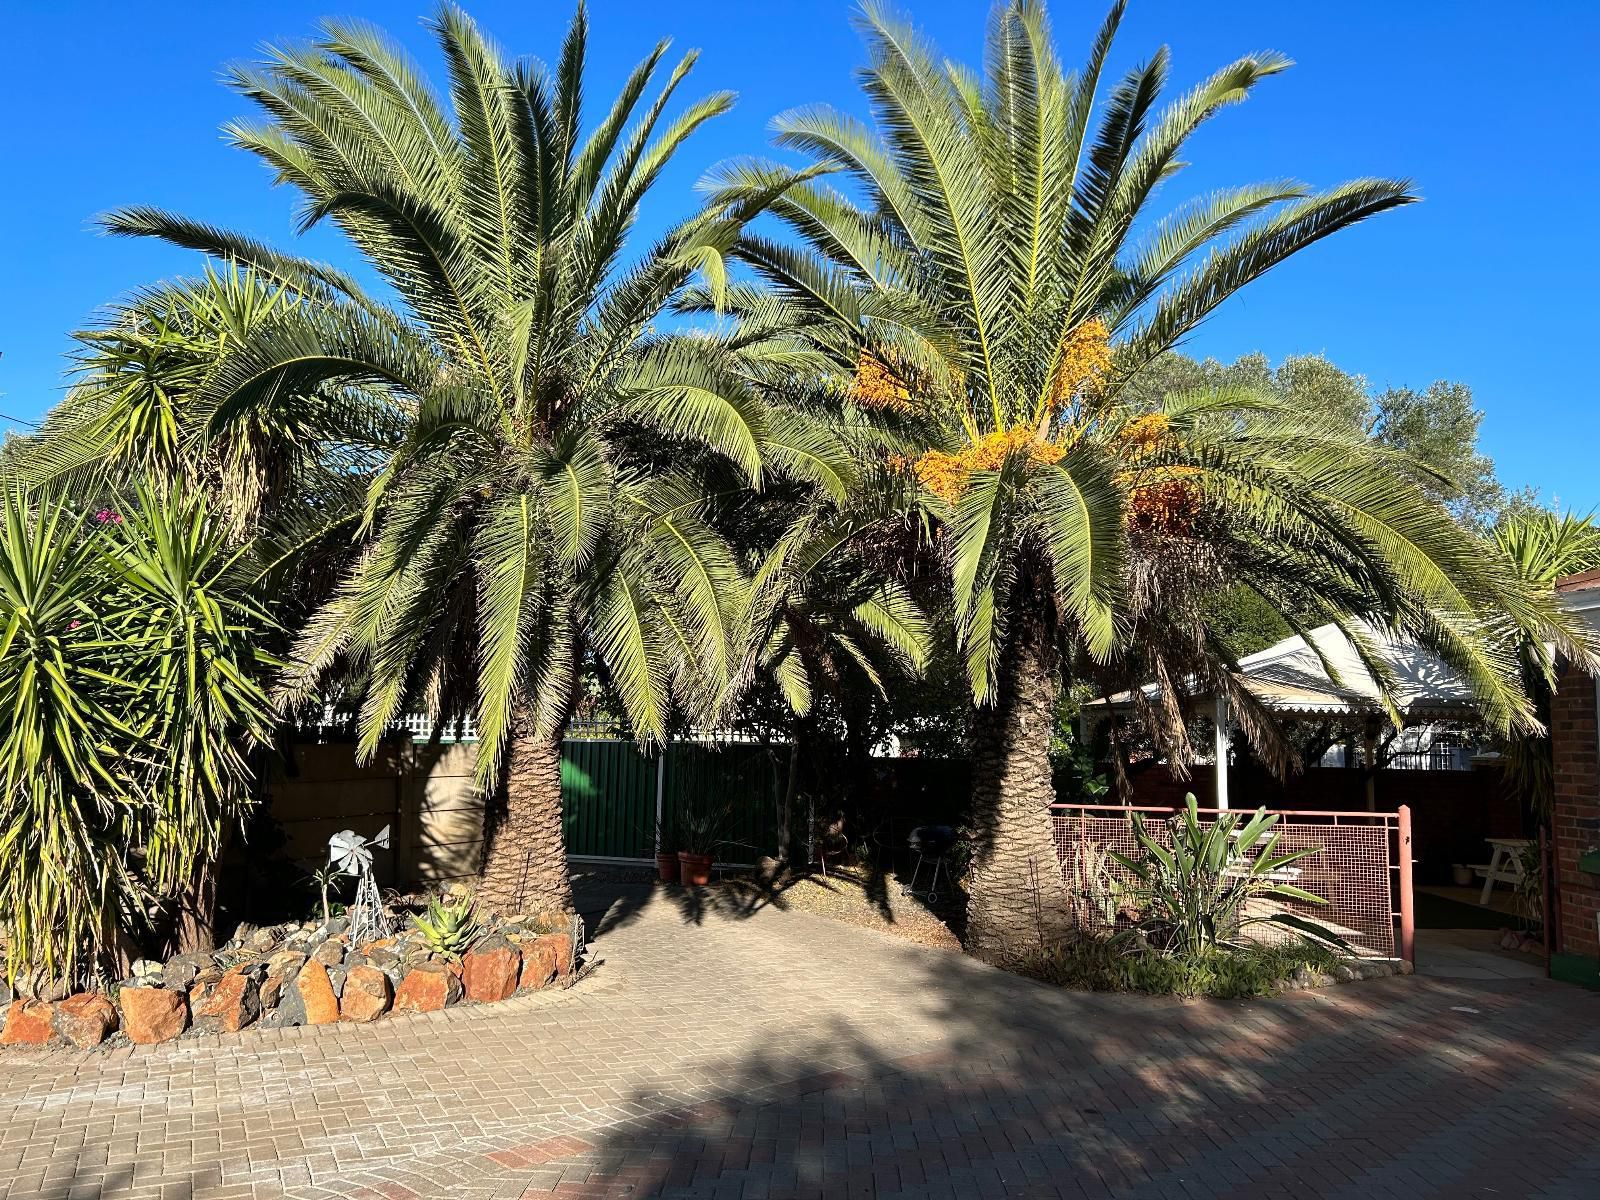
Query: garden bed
{"type": "Point", "coordinates": [1113, 965]}
{"type": "Point", "coordinates": [306, 974]}
{"type": "Point", "coordinates": [872, 900]}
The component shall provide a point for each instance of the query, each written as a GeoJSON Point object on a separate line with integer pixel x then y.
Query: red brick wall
{"type": "Point", "coordinates": [1577, 809]}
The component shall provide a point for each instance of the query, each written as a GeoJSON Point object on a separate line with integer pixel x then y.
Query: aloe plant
{"type": "Point", "coordinates": [1195, 894]}
{"type": "Point", "coordinates": [448, 928]}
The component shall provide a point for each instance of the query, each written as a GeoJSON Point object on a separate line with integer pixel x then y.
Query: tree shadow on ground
{"type": "Point", "coordinates": [84, 1179]}
{"type": "Point", "coordinates": [993, 1085]}
{"type": "Point", "coordinates": [609, 902]}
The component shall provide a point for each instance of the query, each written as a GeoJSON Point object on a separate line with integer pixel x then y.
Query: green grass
{"type": "Point", "coordinates": [1111, 965]}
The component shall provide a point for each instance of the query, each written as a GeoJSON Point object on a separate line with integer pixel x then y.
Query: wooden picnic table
{"type": "Point", "coordinates": [1504, 865]}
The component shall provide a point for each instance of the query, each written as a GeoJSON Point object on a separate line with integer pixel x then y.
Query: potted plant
{"type": "Point", "coordinates": [657, 840]}
{"type": "Point", "coordinates": [700, 835]}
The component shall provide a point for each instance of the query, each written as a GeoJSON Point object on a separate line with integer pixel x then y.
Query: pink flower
{"type": "Point", "coordinates": [73, 624]}
{"type": "Point", "coordinates": [107, 516]}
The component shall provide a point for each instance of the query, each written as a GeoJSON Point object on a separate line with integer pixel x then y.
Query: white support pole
{"type": "Point", "coordinates": [1222, 748]}
{"type": "Point", "coordinates": [661, 791]}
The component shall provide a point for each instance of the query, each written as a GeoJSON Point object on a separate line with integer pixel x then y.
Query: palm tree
{"type": "Point", "coordinates": [1542, 547]}
{"type": "Point", "coordinates": [830, 619]}
{"type": "Point", "coordinates": [543, 510]}
{"type": "Point", "coordinates": [290, 473]}
{"type": "Point", "coordinates": [993, 277]}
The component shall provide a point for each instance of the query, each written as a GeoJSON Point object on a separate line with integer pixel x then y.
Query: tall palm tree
{"type": "Point", "coordinates": [543, 510]}
{"type": "Point", "coordinates": [993, 276]}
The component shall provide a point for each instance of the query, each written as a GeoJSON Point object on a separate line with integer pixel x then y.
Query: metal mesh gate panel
{"type": "Point", "coordinates": [1354, 867]}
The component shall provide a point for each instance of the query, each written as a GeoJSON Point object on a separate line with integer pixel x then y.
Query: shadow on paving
{"type": "Point", "coordinates": [1030, 1090]}
{"type": "Point", "coordinates": [91, 1181]}
{"type": "Point", "coordinates": [611, 903]}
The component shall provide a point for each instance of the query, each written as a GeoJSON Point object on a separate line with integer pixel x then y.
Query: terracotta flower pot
{"type": "Point", "coordinates": [667, 867]}
{"type": "Point", "coordinates": [694, 868]}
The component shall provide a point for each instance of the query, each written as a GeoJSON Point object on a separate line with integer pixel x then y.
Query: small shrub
{"type": "Point", "coordinates": [1124, 964]}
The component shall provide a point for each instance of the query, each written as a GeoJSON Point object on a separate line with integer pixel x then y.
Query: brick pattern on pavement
{"type": "Point", "coordinates": [789, 1055]}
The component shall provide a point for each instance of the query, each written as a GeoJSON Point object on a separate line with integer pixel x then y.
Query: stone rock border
{"type": "Point", "coordinates": [296, 975]}
{"type": "Point", "coordinates": [1348, 971]}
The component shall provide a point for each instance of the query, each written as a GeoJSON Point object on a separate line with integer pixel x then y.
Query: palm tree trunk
{"type": "Point", "coordinates": [525, 852]}
{"type": "Point", "coordinates": [1018, 903]}
{"type": "Point", "coordinates": [856, 708]}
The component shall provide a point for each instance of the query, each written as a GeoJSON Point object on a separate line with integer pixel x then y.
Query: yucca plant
{"type": "Point", "coordinates": [130, 671]}
{"type": "Point", "coordinates": [985, 285]}
{"type": "Point", "coordinates": [1202, 885]}
{"type": "Point", "coordinates": [543, 510]}
{"type": "Point", "coordinates": [703, 827]}
{"type": "Point", "coordinates": [449, 927]}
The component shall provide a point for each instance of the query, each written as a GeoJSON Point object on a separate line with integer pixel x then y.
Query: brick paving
{"type": "Point", "coordinates": [789, 1055]}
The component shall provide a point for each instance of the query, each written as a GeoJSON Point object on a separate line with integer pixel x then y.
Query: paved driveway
{"type": "Point", "coordinates": [789, 1055]}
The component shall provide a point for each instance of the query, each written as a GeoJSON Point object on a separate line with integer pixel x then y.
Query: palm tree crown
{"type": "Point", "coordinates": [543, 505]}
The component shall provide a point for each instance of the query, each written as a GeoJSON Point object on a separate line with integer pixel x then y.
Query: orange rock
{"type": "Point", "coordinates": [234, 1003]}
{"type": "Point", "coordinates": [561, 943]}
{"type": "Point", "coordinates": [367, 995]}
{"type": "Point", "coordinates": [151, 1015]}
{"type": "Point", "coordinates": [489, 971]}
{"type": "Point", "coordinates": [86, 1019]}
{"type": "Point", "coordinates": [316, 990]}
{"type": "Point", "coordinates": [28, 1023]}
{"type": "Point", "coordinates": [538, 964]}
{"type": "Point", "coordinates": [427, 987]}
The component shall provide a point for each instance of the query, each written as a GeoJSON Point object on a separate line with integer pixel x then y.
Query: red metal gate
{"type": "Point", "coordinates": [1361, 865]}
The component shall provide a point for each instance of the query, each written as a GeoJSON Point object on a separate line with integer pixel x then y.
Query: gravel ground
{"type": "Point", "coordinates": [864, 898]}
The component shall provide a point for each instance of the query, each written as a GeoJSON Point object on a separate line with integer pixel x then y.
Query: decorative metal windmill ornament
{"type": "Point", "coordinates": [352, 854]}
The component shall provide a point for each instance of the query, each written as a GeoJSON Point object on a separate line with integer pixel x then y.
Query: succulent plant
{"type": "Point", "coordinates": [448, 928]}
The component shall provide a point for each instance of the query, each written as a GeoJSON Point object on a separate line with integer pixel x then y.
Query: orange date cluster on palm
{"type": "Point", "coordinates": [1168, 507]}
{"type": "Point", "coordinates": [1162, 500]}
{"type": "Point", "coordinates": [1082, 361]}
{"type": "Point", "coordinates": [878, 385]}
{"type": "Point", "coordinates": [949, 475]}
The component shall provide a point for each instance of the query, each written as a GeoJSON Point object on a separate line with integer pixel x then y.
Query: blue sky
{"type": "Point", "coordinates": [1489, 109]}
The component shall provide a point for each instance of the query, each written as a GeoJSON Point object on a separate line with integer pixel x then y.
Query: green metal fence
{"type": "Point", "coordinates": [608, 799]}
{"type": "Point", "coordinates": [611, 792]}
